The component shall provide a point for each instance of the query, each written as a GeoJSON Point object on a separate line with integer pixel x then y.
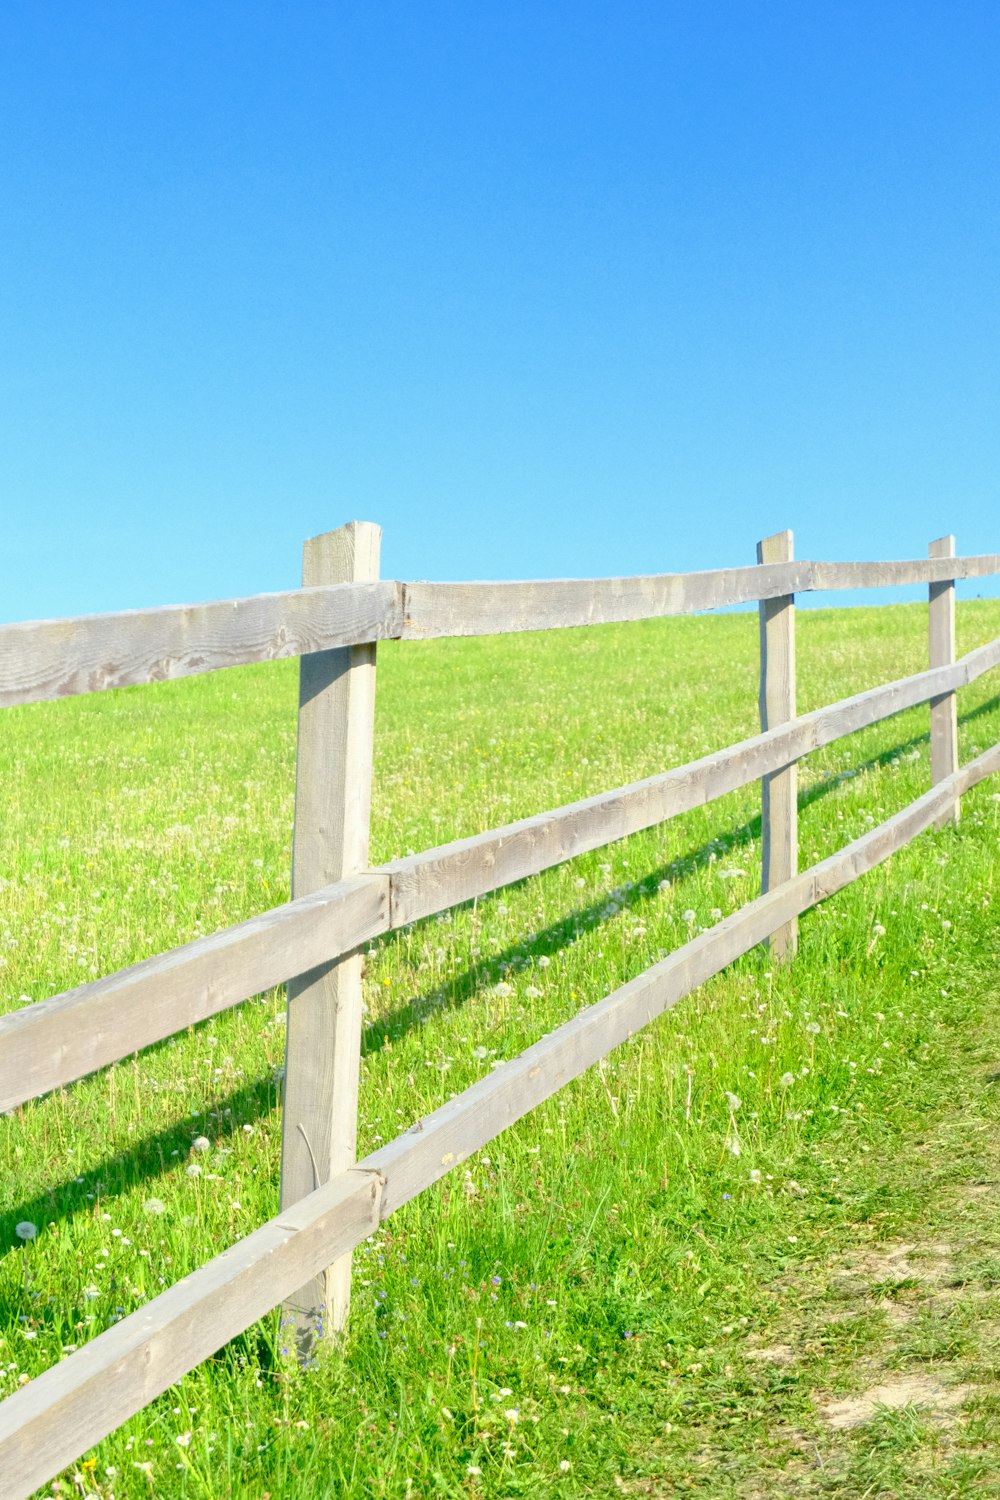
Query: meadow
{"type": "Point", "coordinates": [593, 1305]}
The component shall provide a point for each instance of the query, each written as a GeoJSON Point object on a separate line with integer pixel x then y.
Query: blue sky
{"type": "Point", "coordinates": [545, 289]}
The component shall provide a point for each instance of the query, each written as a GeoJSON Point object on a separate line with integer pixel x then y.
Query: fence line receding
{"type": "Point", "coordinates": [302, 1256]}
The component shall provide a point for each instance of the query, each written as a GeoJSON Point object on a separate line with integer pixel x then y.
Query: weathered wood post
{"type": "Point", "coordinates": [944, 709]}
{"type": "Point", "coordinates": [332, 814]}
{"type": "Point", "coordinates": [779, 789]}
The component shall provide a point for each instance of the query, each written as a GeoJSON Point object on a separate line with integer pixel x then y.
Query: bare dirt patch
{"type": "Point", "coordinates": [863, 1271]}
{"type": "Point", "coordinates": [933, 1396]}
{"type": "Point", "coordinates": [773, 1354]}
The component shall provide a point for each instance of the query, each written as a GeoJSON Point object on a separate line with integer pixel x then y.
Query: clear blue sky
{"type": "Point", "coordinates": [545, 289]}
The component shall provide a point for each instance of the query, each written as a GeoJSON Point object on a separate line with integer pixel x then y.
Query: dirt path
{"type": "Point", "coordinates": [871, 1370]}
{"type": "Point", "coordinates": [895, 1344]}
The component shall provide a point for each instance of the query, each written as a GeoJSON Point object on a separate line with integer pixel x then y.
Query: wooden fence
{"type": "Point", "coordinates": [330, 1202]}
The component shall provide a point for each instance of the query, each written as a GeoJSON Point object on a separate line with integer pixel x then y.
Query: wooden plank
{"type": "Point", "coordinates": [941, 647]}
{"type": "Point", "coordinates": [779, 793]}
{"type": "Point", "coordinates": [43, 659]}
{"type": "Point", "coordinates": [333, 785]}
{"type": "Point", "coordinates": [465, 609]}
{"type": "Point", "coordinates": [872, 575]}
{"type": "Point", "coordinates": [54, 1419]}
{"type": "Point", "coordinates": [63, 1412]}
{"type": "Point", "coordinates": [50, 1043]}
{"type": "Point", "coordinates": [462, 609]}
{"type": "Point", "coordinates": [975, 663]}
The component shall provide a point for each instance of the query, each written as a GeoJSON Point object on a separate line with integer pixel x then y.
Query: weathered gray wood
{"type": "Point", "coordinates": [975, 663]}
{"type": "Point", "coordinates": [461, 609]}
{"type": "Point", "coordinates": [71, 1406]}
{"type": "Point", "coordinates": [941, 643]}
{"type": "Point", "coordinates": [778, 789]}
{"type": "Point", "coordinates": [51, 1043]}
{"type": "Point", "coordinates": [873, 575]}
{"type": "Point", "coordinates": [333, 786]}
{"type": "Point", "coordinates": [464, 609]}
{"type": "Point", "coordinates": [44, 659]}
{"type": "Point", "coordinates": [57, 658]}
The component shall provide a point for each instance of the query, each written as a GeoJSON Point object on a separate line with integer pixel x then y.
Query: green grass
{"type": "Point", "coordinates": [585, 1306]}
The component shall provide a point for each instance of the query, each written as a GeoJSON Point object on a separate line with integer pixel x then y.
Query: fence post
{"type": "Point", "coordinates": [332, 813]}
{"type": "Point", "coordinates": [779, 789]}
{"type": "Point", "coordinates": [944, 709]}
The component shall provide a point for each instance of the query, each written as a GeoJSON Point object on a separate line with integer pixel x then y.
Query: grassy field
{"type": "Point", "coordinates": [676, 1276]}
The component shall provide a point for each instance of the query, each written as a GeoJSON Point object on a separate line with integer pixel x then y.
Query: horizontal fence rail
{"type": "Point", "coordinates": [46, 659]}
{"type": "Point", "coordinates": [55, 1041]}
{"type": "Point", "coordinates": [71, 1406]}
{"type": "Point", "coordinates": [464, 609]}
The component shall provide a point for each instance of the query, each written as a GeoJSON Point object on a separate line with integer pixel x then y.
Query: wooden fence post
{"type": "Point", "coordinates": [779, 789]}
{"type": "Point", "coordinates": [332, 813]}
{"type": "Point", "coordinates": [941, 640]}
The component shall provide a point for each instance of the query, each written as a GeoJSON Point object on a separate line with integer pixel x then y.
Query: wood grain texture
{"type": "Point", "coordinates": [46, 659]}
{"type": "Point", "coordinates": [333, 786]}
{"type": "Point", "coordinates": [58, 658]}
{"type": "Point", "coordinates": [463, 609]}
{"type": "Point", "coordinates": [67, 1409]}
{"type": "Point", "coordinates": [466, 609]}
{"type": "Point", "coordinates": [52, 1042]}
{"type": "Point", "coordinates": [779, 790]}
{"type": "Point", "coordinates": [941, 648]}
{"type": "Point", "coordinates": [874, 575]}
{"type": "Point", "coordinates": [71, 1406]}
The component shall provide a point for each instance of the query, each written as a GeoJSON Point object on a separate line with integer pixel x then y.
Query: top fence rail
{"type": "Point", "coordinates": [45, 659]}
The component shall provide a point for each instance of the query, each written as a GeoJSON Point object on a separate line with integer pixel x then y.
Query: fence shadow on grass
{"type": "Point", "coordinates": [559, 935]}
{"type": "Point", "coordinates": [153, 1156]}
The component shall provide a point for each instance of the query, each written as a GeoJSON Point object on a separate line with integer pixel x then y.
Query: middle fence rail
{"type": "Point", "coordinates": [51, 1421]}
{"type": "Point", "coordinates": [56, 1041]}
